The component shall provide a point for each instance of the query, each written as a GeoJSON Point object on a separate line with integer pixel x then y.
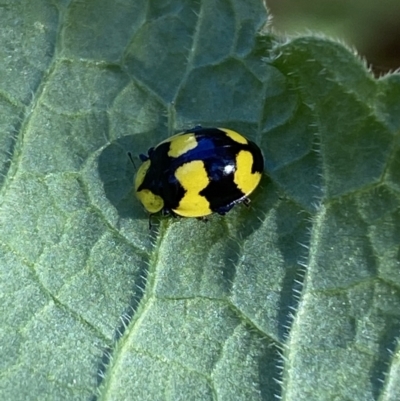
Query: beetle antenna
{"type": "Point", "coordinates": [131, 159]}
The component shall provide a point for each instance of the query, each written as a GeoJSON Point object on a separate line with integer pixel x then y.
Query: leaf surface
{"type": "Point", "coordinates": [296, 297]}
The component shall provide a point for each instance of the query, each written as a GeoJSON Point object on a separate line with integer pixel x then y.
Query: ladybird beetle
{"type": "Point", "coordinates": [199, 172]}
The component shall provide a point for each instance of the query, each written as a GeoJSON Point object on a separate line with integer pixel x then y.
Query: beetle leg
{"type": "Point", "coordinates": [246, 201]}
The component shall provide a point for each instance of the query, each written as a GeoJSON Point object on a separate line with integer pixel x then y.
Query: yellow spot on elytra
{"type": "Point", "coordinates": [151, 202]}
{"type": "Point", "coordinates": [141, 174]}
{"type": "Point", "coordinates": [180, 144]}
{"type": "Point", "coordinates": [235, 136]}
{"type": "Point", "coordinates": [193, 178]}
{"type": "Point", "coordinates": [244, 178]}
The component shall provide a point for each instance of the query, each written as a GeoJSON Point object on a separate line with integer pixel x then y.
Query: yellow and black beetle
{"type": "Point", "coordinates": [199, 172]}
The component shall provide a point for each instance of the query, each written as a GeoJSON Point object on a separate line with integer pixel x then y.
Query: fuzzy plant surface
{"type": "Point", "coordinates": [296, 297]}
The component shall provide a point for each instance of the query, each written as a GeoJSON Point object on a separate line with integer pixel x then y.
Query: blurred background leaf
{"type": "Point", "coordinates": [372, 27]}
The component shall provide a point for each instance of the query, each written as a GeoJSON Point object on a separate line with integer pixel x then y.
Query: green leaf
{"type": "Point", "coordinates": [296, 297]}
